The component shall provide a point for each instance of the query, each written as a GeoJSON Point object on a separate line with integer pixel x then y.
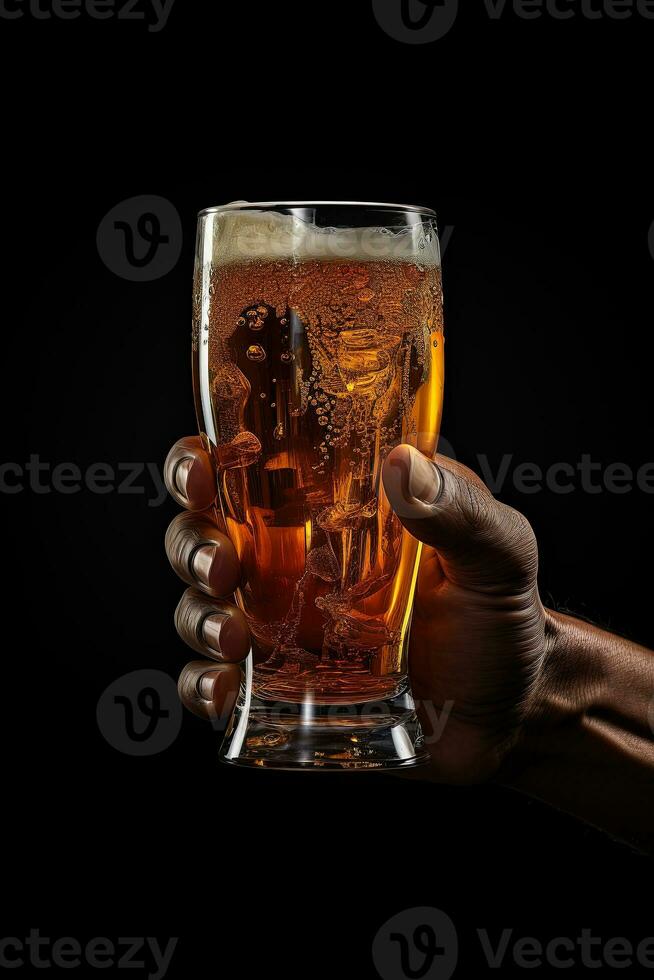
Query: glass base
{"type": "Point", "coordinates": [382, 734]}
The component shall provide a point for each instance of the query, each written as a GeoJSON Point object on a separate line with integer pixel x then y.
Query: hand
{"type": "Point", "coordinates": [546, 704]}
{"type": "Point", "coordinates": [480, 633]}
{"type": "Point", "coordinates": [479, 629]}
{"type": "Point", "coordinates": [204, 557]}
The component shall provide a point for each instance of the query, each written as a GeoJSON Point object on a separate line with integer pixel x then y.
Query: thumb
{"type": "Point", "coordinates": [482, 544]}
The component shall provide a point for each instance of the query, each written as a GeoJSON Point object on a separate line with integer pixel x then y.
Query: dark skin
{"type": "Point", "coordinates": [536, 700]}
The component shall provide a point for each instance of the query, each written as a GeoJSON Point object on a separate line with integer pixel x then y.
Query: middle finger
{"type": "Point", "coordinates": [202, 555]}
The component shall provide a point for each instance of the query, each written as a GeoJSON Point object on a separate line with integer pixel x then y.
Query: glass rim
{"type": "Point", "coordinates": [270, 205]}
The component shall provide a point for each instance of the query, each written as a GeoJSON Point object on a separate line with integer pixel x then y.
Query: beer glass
{"type": "Point", "coordinates": [318, 347]}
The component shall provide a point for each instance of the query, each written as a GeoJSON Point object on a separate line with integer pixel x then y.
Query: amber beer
{"type": "Point", "coordinates": [319, 350]}
{"type": "Point", "coordinates": [317, 369]}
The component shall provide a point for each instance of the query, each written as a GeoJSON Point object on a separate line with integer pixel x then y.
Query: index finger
{"type": "Point", "coordinates": [189, 473]}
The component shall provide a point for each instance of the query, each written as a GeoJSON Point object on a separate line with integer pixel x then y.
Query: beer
{"type": "Point", "coordinates": [314, 359]}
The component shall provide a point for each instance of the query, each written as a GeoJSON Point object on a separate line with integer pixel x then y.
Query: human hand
{"type": "Point", "coordinates": [479, 633]}
{"type": "Point", "coordinates": [479, 629]}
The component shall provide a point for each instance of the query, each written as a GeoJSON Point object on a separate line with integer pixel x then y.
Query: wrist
{"type": "Point", "coordinates": [586, 743]}
{"type": "Point", "coordinates": [570, 681]}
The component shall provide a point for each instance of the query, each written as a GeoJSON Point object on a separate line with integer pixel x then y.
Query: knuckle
{"type": "Point", "coordinates": [475, 506]}
{"type": "Point", "coordinates": [187, 615]}
{"type": "Point", "coordinates": [189, 532]}
{"type": "Point", "coordinates": [180, 542]}
{"type": "Point", "coordinates": [518, 543]}
{"type": "Point", "coordinates": [176, 529]}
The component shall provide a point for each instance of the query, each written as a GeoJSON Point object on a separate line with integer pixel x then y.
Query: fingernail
{"type": "Point", "coordinates": [182, 471]}
{"type": "Point", "coordinates": [212, 628]}
{"type": "Point", "coordinates": [202, 563]}
{"type": "Point", "coordinates": [207, 683]}
{"type": "Point", "coordinates": [425, 480]}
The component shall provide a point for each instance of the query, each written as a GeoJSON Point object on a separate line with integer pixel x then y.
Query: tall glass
{"type": "Point", "coordinates": [318, 347]}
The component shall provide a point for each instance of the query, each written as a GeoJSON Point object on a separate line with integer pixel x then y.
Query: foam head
{"type": "Point", "coordinates": [251, 235]}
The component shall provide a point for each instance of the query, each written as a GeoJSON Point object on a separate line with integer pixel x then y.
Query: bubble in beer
{"type": "Point", "coordinates": [363, 336]}
{"type": "Point", "coordinates": [273, 404]}
{"type": "Point", "coordinates": [255, 318]}
{"type": "Point", "coordinates": [256, 353]}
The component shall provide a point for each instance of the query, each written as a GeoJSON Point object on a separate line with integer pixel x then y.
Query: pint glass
{"type": "Point", "coordinates": [318, 347]}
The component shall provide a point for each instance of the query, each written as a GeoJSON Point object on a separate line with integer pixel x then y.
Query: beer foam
{"type": "Point", "coordinates": [247, 236]}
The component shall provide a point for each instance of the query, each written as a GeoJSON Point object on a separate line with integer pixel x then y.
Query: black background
{"type": "Point", "coordinates": [524, 136]}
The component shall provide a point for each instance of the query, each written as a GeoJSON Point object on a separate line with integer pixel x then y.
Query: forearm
{"type": "Point", "coordinates": [587, 745]}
